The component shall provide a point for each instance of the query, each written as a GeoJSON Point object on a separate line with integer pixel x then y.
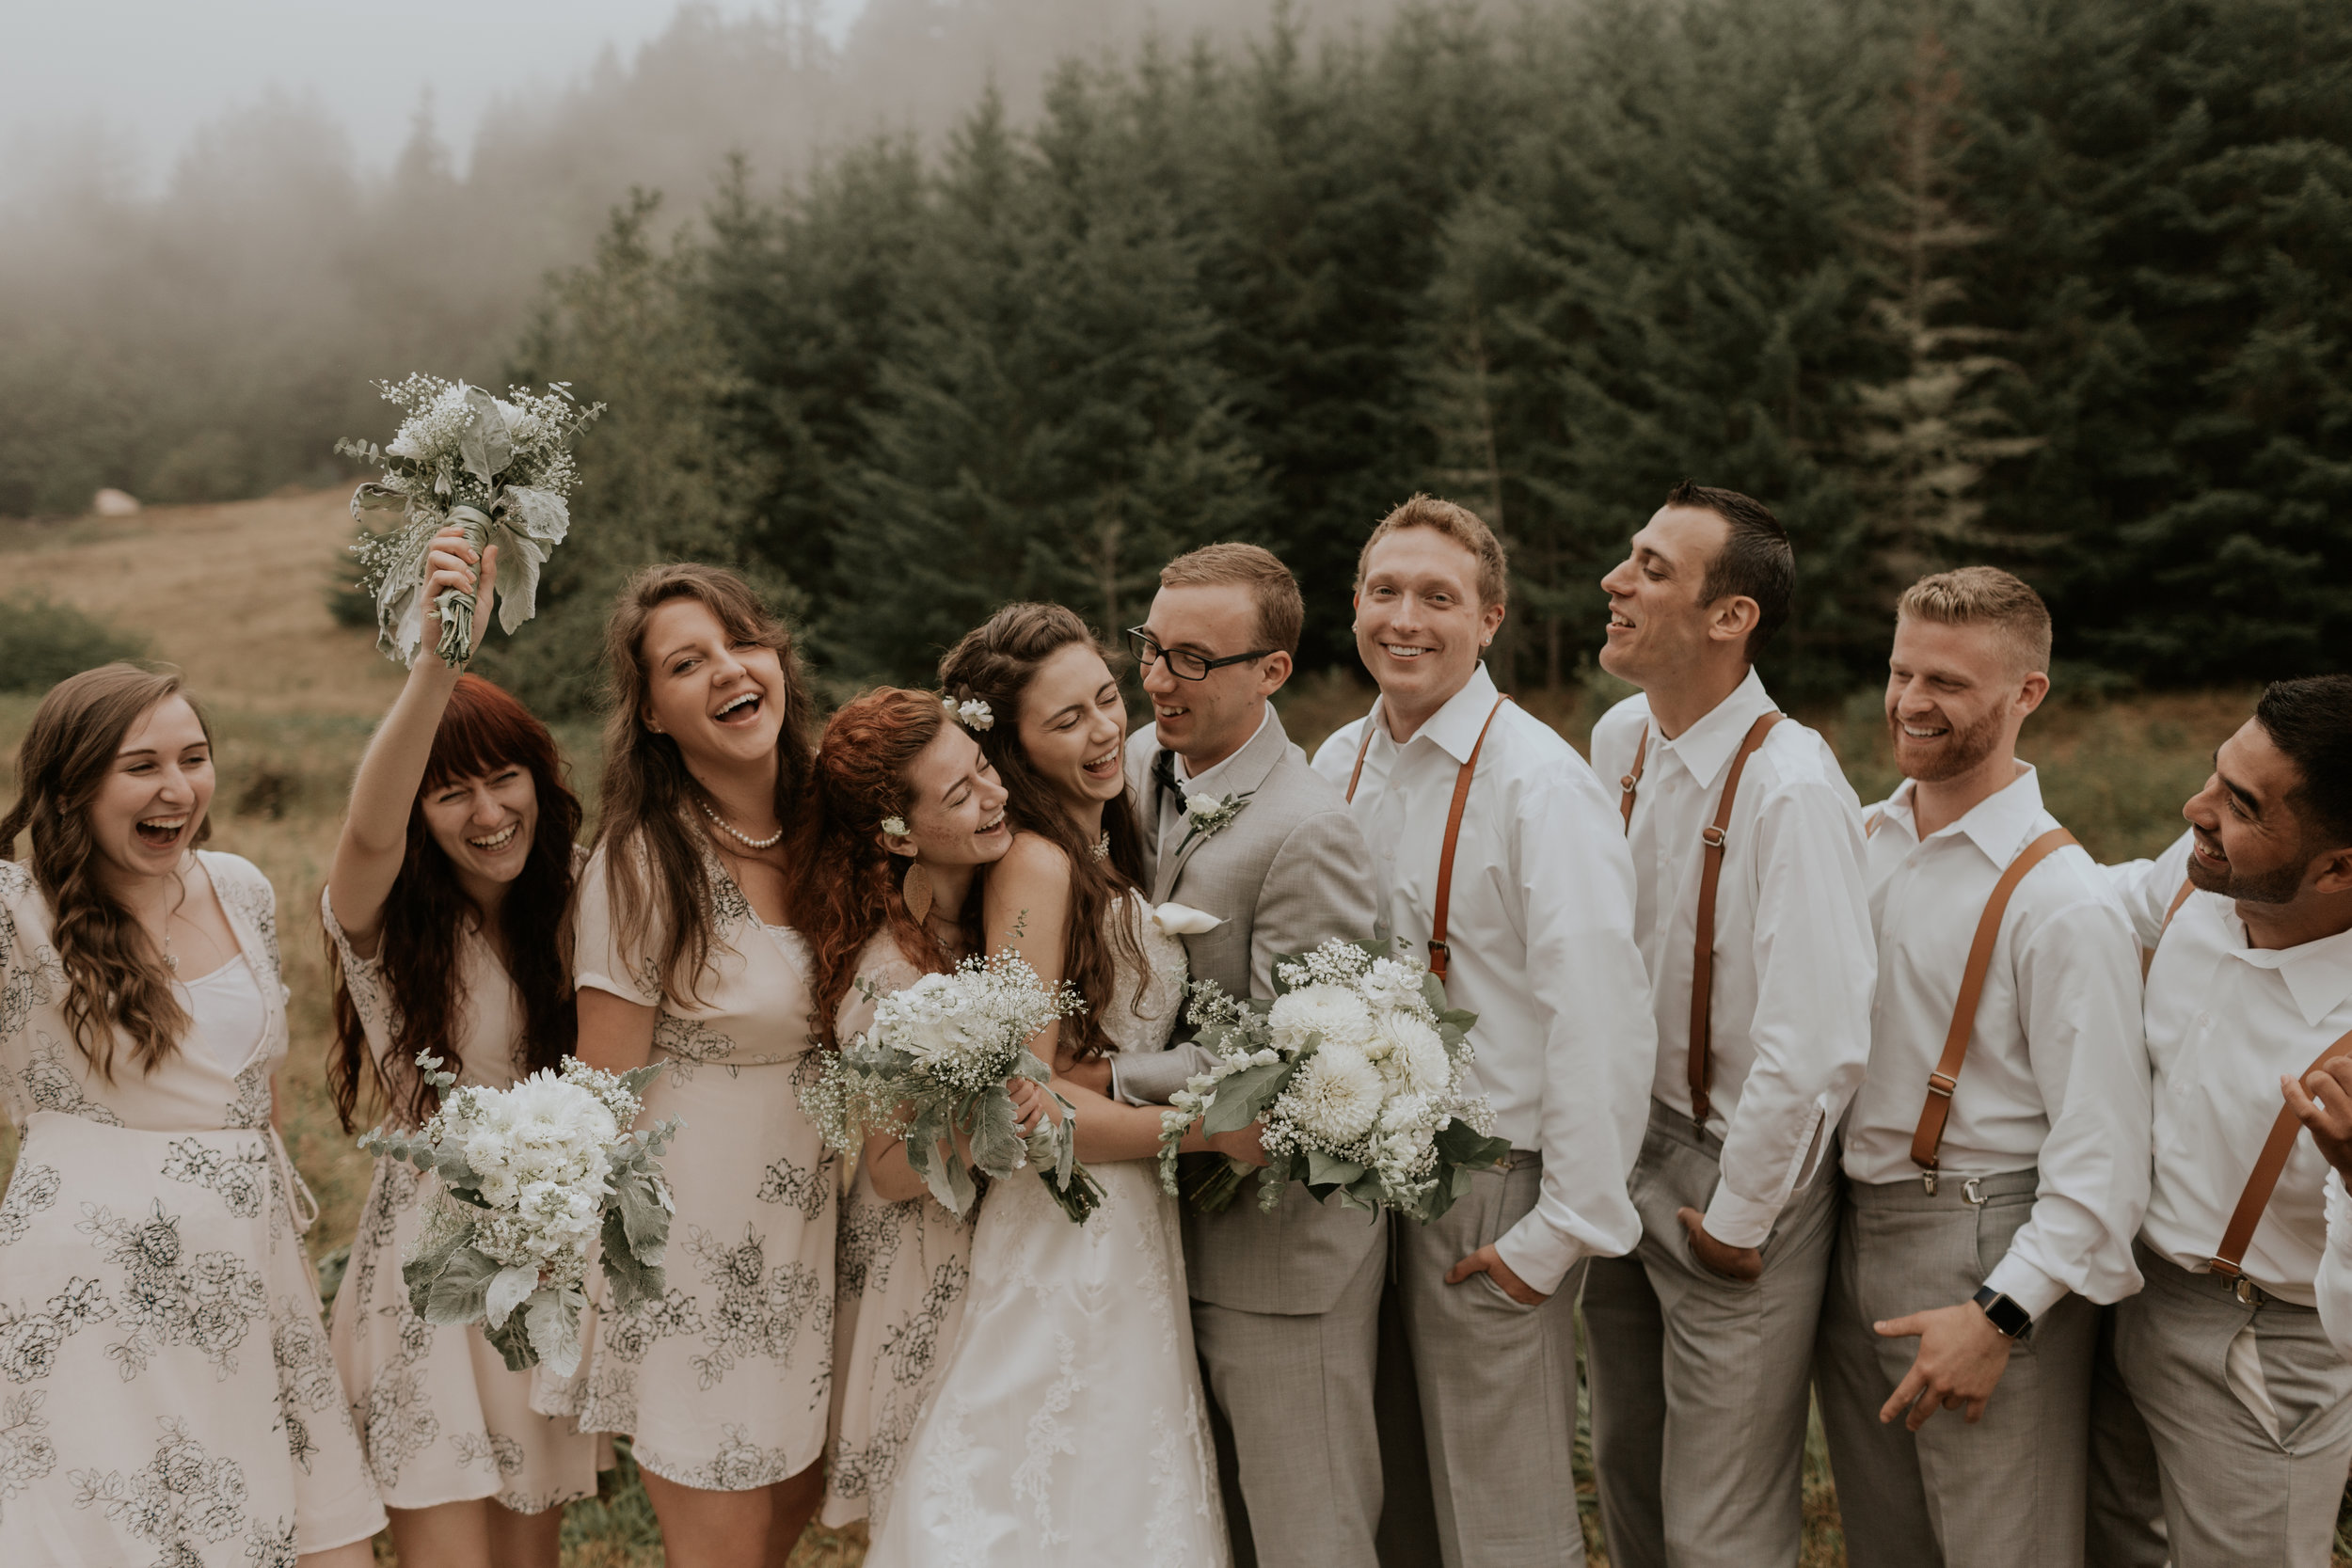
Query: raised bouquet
{"type": "Point", "coordinates": [932, 1070]}
{"type": "Point", "coordinates": [1358, 1069]}
{"type": "Point", "coordinates": [531, 1175]}
{"type": "Point", "coordinates": [501, 467]}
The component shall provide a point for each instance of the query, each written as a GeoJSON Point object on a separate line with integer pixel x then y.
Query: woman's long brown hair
{"type": "Point", "coordinates": [655, 852]}
{"type": "Point", "coordinates": [116, 981]}
{"type": "Point", "coordinates": [483, 730]}
{"type": "Point", "coordinates": [995, 663]}
{"type": "Point", "coordinates": [846, 887]}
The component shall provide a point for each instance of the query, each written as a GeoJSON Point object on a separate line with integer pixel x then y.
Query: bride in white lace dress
{"type": "Point", "coordinates": [1068, 1426]}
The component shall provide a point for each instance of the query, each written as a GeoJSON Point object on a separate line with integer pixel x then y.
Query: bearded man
{"type": "Point", "coordinates": [1997, 1154]}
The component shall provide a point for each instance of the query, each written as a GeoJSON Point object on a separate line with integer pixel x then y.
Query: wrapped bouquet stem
{"type": "Point", "coordinates": [499, 467]}
{"type": "Point", "coordinates": [932, 1070]}
{"type": "Point", "coordinates": [531, 1175]}
{"type": "Point", "coordinates": [1357, 1067]}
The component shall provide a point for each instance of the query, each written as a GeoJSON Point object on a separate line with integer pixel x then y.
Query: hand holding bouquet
{"type": "Point", "coordinates": [531, 1175]}
{"type": "Point", "coordinates": [1357, 1067]}
{"type": "Point", "coordinates": [501, 467]}
{"type": "Point", "coordinates": [932, 1070]}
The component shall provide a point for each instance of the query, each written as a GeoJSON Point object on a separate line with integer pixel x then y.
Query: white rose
{"type": "Point", "coordinates": [1404, 1115]}
{"type": "Point", "coordinates": [1388, 984]}
{"type": "Point", "coordinates": [1336, 1097]}
{"type": "Point", "coordinates": [1331, 1011]}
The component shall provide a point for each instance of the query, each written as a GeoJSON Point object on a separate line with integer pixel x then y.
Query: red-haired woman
{"type": "Point", "coordinates": [908, 816]}
{"type": "Point", "coordinates": [166, 1391]}
{"type": "Point", "coordinates": [684, 958]}
{"type": "Point", "coordinates": [445, 914]}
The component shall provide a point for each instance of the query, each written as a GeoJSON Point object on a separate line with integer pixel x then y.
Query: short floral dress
{"type": "Point", "coordinates": [166, 1391]}
{"type": "Point", "coordinates": [902, 1269]}
{"type": "Point", "coordinates": [439, 1416]}
{"type": "Point", "coordinates": [724, 1383]}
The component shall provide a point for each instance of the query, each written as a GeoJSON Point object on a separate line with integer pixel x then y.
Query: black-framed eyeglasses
{"type": "Point", "coordinates": [1181, 664]}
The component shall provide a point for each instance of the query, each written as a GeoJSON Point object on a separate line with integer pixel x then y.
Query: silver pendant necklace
{"type": "Point", "coordinates": [744, 839]}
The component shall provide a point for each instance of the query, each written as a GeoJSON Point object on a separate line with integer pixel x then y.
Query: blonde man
{"type": "Point", "coordinates": [1996, 1155]}
{"type": "Point", "coordinates": [1535, 928]}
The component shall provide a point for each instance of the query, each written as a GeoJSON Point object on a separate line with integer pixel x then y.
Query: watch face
{"type": "Point", "coordinates": [2003, 1313]}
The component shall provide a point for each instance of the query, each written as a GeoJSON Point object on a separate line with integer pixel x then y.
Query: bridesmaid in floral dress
{"type": "Point", "coordinates": [166, 1391]}
{"type": "Point", "coordinates": [880, 908]}
{"type": "Point", "coordinates": [684, 959]}
{"type": "Point", "coordinates": [444, 917]}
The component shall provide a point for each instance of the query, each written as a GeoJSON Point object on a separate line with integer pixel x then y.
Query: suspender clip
{"type": "Point", "coordinates": [1711, 836]}
{"type": "Point", "coordinates": [1927, 1180]}
{"type": "Point", "coordinates": [1943, 1084]}
{"type": "Point", "coordinates": [2247, 1292]}
{"type": "Point", "coordinates": [1439, 954]}
{"type": "Point", "coordinates": [1969, 1190]}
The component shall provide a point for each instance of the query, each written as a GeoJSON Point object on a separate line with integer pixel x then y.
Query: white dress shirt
{"type": "Point", "coordinates": [2225, 1021]}
{"type": "Point", "coordinates": [2056, 1071]}
{"type": "Point", "coordinates": [2335, 1269]}
{"type": "Point", "coordinates": [1166, 811]}
{"type": "Point", "coordinates": [1794, 953]}
{"type": "Point", "coordinates": [1540, 939]}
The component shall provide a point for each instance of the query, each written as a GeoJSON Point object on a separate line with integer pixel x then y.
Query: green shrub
{"type": "Point", "coordinates": [42, 643]}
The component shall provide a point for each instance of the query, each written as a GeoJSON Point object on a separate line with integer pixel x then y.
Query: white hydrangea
{"type": "Point", "coordinates": [544, 1129]}
{"type": "Point", "coordinates": [1336, 1096]}
{"type": "Point", "coordinates": [1391, 985]}
{"type": "Point", "coordinates": [1332, 1011]}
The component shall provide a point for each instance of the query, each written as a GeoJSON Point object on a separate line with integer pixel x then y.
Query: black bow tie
{"type": "Point", "coordinates": [1164, 775]}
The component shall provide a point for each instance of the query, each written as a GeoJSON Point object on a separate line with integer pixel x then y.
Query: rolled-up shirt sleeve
{"type": "Point", "coordinates": [1574, 879]}
{"type": "Point", "coordinates": [2078, 990]}
{"type": "Point", "coordinates": [1816, 963]}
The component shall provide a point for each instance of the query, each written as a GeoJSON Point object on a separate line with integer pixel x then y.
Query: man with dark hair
{"type": "Point", "coordinates": [1755, 932]}
{"type": "Point", "coordinates": [2219, 1403]}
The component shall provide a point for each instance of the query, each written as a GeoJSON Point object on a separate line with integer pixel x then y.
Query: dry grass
{"type": "Point", "coordinates": [232, 595]}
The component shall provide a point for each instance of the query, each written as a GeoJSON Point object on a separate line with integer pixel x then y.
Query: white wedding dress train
{"type": "Point", "coordinates": [1069, 1427]}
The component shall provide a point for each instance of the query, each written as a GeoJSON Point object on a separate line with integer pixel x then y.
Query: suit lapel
{"type": "Point", "coordinates": [1246, 775]}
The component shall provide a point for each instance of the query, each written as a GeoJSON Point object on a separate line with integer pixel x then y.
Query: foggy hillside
{"type": "Point", "coordinates": [213, 339]}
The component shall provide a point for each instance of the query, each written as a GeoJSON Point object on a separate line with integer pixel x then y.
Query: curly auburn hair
{"type": "Point", "coordinates": [847, 886]}
{"type": "Point", "coordinates": [995, 663]}
{"type": "Point", "coordinates": [483, 730]}
{"type": "Point", "coordinates": [116, 980]}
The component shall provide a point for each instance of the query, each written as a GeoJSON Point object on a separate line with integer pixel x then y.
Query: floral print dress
{"type": "Point", "coordinates": [441, 1418]}
{"type": "Point", "coordinates": [724, 1383]}
{"type": "Point", "coordinates": [166, 1391]}
{"type": "Point", "coordinates": [903, 1268]}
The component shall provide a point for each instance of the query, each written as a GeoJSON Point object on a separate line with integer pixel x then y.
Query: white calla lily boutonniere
{"type": "Point", "coordinates": [1207, 815]}
{"type": "Point", "coordinates": [1183, 920]}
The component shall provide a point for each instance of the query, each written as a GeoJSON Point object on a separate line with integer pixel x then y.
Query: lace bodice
{"type": "Point", "coordinates": [1146, 1027]}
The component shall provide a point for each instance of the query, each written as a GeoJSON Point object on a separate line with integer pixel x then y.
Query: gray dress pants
{"type": "Point", "coordinates": [2248, 1415]}
{"type": "Point", "coordinates": [1699, 1382]}
{"type": "Point", "coordinates": [2005, 1493]}
{"type": "Point", "coordinates": [1496, 1385]}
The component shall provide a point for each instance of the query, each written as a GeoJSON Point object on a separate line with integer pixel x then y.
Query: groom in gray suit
{"type": "Point", "coordinates": [1286, 1306]}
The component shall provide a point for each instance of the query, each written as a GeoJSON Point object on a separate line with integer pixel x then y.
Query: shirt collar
{"type": "Point", "coordinates": [1207, 777]}
{"type": "Point", "coordinates": [2318, 975]}
{"type": "Point", "coordinates": [1706, 748]}
{"type": "Point", "coordinates": [1997, 824]}
{"type": "Point", "coordinates": [1454, 728]}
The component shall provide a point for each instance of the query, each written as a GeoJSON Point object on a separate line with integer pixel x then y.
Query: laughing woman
{"type": "Point", "coordinates": [166, 1391]}
{"type": "Point", "coordinates": [684, 959]}
{"type": "Point", "coordinates": [444, 917]}
{"type": "Point", "coordinates": [909, 816]}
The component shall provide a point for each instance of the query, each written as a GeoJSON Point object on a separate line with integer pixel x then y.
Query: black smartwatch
{"type": "Point", "coordinates": [2013, 1321]}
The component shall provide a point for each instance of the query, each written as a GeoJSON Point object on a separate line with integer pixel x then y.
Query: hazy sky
{"type": "Point", "coordinates": [153, 71]}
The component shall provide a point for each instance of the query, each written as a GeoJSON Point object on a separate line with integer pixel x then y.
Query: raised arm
{"type": "Point", "coordinates": [374, 839]}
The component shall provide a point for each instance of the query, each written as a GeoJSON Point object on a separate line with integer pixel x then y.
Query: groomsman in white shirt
{"type": "Point", "coordinates": [1501, 862]}
{"type": "Point", "coordinates": [2218, 1389]}
{"type": "Point", "coordinates": [1997, 1154]}
{"type": "Point", "coordinates": [1755, 930]}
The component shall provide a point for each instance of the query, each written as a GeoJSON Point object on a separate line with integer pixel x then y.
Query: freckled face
{"type": "Point", "coordinates": [955, 812]}
{"type": "Point", "coordinates": [147, 812]}
{"type": "Point", "coordinates": [1073, 726]}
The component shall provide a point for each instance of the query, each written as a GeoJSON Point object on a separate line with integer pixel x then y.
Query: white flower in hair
{"type": "Point", "coordinates": [894, 827]}
{"type": "Point", "coordinates": [973, 714]}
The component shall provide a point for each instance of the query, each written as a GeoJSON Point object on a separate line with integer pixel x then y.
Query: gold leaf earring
{"type": "Point", "coordinates": [917, 891]}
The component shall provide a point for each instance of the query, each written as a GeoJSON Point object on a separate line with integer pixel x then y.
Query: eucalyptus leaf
{"type": "Point", "coordinates": [996, 1145]}
{"type": "Point", "coordinates": [1323, 1169]}
{"type": "Point", "coordinates": [1244, 1098]}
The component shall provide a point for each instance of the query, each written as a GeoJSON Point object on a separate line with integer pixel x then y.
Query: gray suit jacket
{"type": "Point", "coordinates": [1291, 869]}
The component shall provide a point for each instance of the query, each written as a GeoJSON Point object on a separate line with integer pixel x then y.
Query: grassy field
{"type": "Point", "coordinates": [232, 595]}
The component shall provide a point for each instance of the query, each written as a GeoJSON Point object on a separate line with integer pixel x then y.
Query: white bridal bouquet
{"type": "Point", "coordinates": [500, 467]}
{"type": "Point", "coordinates": [934, 1065]}
{"type": "Point", "coordinates": [530, 1177]}
{"type": "Point", "coordinates": [1357, 1069]}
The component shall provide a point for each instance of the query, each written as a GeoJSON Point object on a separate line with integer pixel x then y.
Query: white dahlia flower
{"type": "Point", "coordinates": [1332, 1011]}
{"type": "Point", "coordinates": [1336, 1096]}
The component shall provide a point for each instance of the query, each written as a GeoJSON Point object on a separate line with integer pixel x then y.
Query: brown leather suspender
{"type": "Point", "coordinates": [1929, 1137]}
{"type": "Point", "coordinates": [2228, 1258]}
{"type": "Point", "coordinates": [2148, 954]}
{"type": "Point", "coordinates": [1702, 955]}
{"type": "Point", "coordinates": [1633, 781]}
{"type": "Point", "coordinates": [1438, 952]}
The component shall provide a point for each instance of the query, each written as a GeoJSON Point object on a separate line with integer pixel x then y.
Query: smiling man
{"type": "Point", "coordinates": [1285, 1305]}
{"type": "Point", "coordinates": [1997, 1154]}
{"type": "Point", "coordinates": [1746, 843]}
{"type": "Point", "coordinates": [1500, 862]}
{"type": "Point", "coordinates": [2217, 1390]}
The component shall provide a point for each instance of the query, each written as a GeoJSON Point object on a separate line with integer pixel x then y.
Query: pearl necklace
{"type": "Point", "coordinates": [1103, 845]}
{"type": "Point", "coordinates": [744, 839]}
